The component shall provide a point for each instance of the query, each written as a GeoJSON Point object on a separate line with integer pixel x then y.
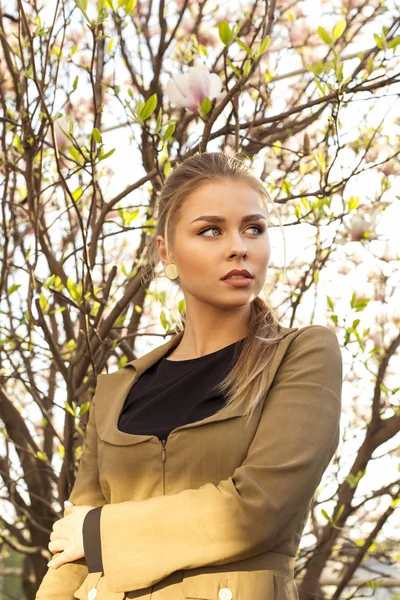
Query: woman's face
{"type": "Point", "coordinates": [205, 250]}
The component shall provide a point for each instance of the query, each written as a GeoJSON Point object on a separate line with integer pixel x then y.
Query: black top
{"type": "Point", "coordinates": [168, 394]}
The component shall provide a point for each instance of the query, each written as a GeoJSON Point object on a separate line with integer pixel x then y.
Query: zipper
{"type": "Point", "coordinates": [163, 458]}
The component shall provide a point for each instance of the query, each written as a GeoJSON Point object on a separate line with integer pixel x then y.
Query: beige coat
{"type": "Point", "coordinates": [218, 515]}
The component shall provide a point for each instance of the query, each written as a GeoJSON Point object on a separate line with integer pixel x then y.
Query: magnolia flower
{"type": "Point", "coordinates": [61, 125]}
{"type": "Point", "coordinates": [358, 226]}
{"type": "Point", "coordinates": [189, 89]}
{"type": "Point", "coordinates": [299, 31]}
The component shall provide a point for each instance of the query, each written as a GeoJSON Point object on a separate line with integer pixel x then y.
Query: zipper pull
{"type": "Point", "coordinates": [163, 442]}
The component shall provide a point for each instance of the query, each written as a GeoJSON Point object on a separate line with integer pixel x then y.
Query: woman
{"type": "Point", "coordinates": [201, 457]}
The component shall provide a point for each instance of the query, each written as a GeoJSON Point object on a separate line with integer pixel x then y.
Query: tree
{"type": "Point", "coordinates": [73, 303]}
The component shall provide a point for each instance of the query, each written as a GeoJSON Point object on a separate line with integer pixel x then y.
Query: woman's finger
{"type": "Point", "coordinates": [57, 526]}
{"type": "Point", "coordinates": [54, 535]}
{"type": "Point", "coordinates": [57, 561]}
{"type": "Point", "coordinates": [57, 545]}
{"type": "Point", "coordinates": [66, 556]}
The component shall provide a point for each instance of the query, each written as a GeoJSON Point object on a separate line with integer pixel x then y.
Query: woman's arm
{"type": "Point", "coordinates": [60, 584]}
{"type": "Point", "coordinates": [144, 541]}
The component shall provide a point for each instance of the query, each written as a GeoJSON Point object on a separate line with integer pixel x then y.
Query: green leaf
{"type": "Point", "coordinates": [70, 345]}
{"type": "Point", "coordinates": [13, 288]}
{"type": "Point", "coordinates": [339, 28]}
{"type": "Point", "coordinates": [353, 203]}
{"type": "Point", "coordinates": [17, 144]}
{"type": "Point", "coordinates": [122, 361]}
{"type": "Point", "coordinates": [339, 72]}
{"type": "Point", "coordinates": [320, 86]}
{"type": "Point", "coordinates": [147, 110]}
{"type": "Point", "coordinates": [324, 35]}
{"type": "Point", "coordinates": [339, 512]}
{"type": "Point", "coordinates": [44, 305]}
{"type": "Point", "coordinates": [71, 125]}
{"type": "Point", "coordinates": [164, 320]}
{"type": "Point", "coordinates": [77, 193]}
{"type": "Point", "coordinates": [101, 5]}
{"type": "Point", "coordinates": [69, 408]}
{"type": "Point", "coordinates": [394, 42]}
{"type": "Point", "coordinates": [168, 132]}
{"type": "Point", "coordinates": [361, 304]}
{"type": "Point", "coordinates": [84, 408]}
{"type": "Point", "coordinates": [130, 215]}
{"type": "Point", "coordinates": [244, 46]}
{"type": "Point", "coordinates": [75, 154]}
{"type": "Point", "coordinates": [96, 135]}
{"type": "Point", "coordinates": [263, 46]}
{"type": "Point", "coordinates": [379, 41]}
{"type": "Point", "coordinates": [104, 156]}
{"type": "Point", "coordinates": [130, 6]}
{"type": "Point", "coordinates": [181, 306]}
{"type": "Point", "coordinates": [286, 186]}
{"type": "Point", "coordinates": [159, 120]}
{"type": "Point", "coordinates": [234, 69]}
{"type": "Point", "coordinates": [82, 5]}
{"type": "Point", "coordinates": [73, 290]}
{"type": "Point", "coordinates": [246, 67]}
{"type": "Point", "coordinates": [75, 84]}
{"type": "Point", "coordinates": [167, 168]}
{"type": "Point", "coordinates": [205, 106]}
{"type": "Point", "coordinates": [225, 33]}
{"type": "Point", "coordinates": [119, 321]}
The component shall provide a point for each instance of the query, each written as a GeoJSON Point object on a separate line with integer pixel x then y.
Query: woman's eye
{"type": "Point", "coordinates": [257, 227]}
{"type": "Point", "coordinates": [209, 229]}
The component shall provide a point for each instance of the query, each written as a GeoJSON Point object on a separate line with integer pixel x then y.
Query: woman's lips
{"type": "Point", "coordinates": [238, 281]}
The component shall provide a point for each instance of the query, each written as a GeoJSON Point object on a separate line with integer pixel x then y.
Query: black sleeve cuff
{"type": "Point", "coordinates": [92, 541]}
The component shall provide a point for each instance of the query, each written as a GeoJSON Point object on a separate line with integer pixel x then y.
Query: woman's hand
{"type": "Point", "coordinates": [67, 536]}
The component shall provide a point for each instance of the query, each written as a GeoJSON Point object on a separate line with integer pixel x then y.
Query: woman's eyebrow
{"type": "Point", "coordinates": [218, 219]}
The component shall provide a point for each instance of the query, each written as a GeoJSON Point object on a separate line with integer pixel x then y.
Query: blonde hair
{"type": "Point", "coordinates": [247, 380]}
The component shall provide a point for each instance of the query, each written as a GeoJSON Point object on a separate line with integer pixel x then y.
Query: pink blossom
{"type": "Point", "coordinates": [223, 16]}
{"type": "Point", "coordinates": [299, 32]}
{"type": "Point", "coordinates": [344, 269]}
{"type": "Point", "coordinates": [189, 89]}
{"type": "Point", "coordinates": [180, 3]}
{"type": "Point", "coordinates": [61, 125]}
{"type": "Point", "coordinates": [350, 4]}
{"type": "Point", "coordinates": [390, 168]}
{"type": "Point", "coordinates": [208, 37]}
{"type": "Point", "coordinates": [358, 226]}
{"type": "Point", "coordinates": [372, 154]}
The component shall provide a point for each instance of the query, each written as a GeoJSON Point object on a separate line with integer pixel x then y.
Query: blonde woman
{"type": "Point", "coordinates": [201, 457]}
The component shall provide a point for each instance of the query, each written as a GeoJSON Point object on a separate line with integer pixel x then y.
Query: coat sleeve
{"type": "Point", "coordinates": [244, 515]}
{"type": "Point", "coordinates": [61, 583]}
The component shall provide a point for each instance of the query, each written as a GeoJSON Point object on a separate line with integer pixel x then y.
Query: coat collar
{"type": "Point", "coordinates": [147, 360]}
{"type": "Point", "coordinates": [113, 388]}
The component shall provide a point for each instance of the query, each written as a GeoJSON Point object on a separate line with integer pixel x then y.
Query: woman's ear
{"type": "Point", "coordinates": [162, 250]}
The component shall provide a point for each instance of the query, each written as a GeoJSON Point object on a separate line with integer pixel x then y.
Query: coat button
{"type": "Point", "coordinates": [92, 594]}
{"type": "Point", "coordinates": [225, 594]}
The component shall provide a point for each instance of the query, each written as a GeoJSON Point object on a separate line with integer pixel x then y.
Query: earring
{"type": "Point", "coordinates": [171, 271]}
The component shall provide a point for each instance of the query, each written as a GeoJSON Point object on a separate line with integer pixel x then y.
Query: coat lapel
{"type": "Point", "coordinates": [112, 391]}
